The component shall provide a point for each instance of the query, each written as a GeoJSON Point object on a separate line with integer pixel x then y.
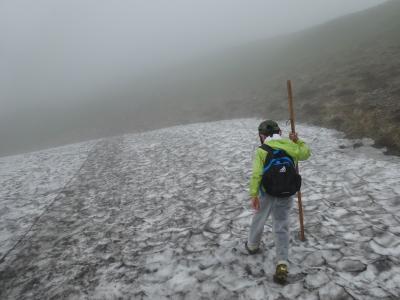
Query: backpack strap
{"type": "Point", "coordinates": [267, 148]}
{"type": "Point", "coordinates": [270, 152]}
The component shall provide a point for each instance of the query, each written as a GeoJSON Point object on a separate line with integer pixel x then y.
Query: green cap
{"type": "Point", "coordinates": [268, 128]}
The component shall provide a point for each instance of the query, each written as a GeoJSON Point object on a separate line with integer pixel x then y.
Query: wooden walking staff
{"type": "Point", "coordinates": [291, 111]}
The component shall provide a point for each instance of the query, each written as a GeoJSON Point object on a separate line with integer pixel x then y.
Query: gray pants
{"type": "Point", "coordinates": [280, 208]}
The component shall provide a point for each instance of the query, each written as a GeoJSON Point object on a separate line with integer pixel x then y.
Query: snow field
{"type": "Point", "coordinates": [29, 182]}
{"type": "Point", "coordinates": [162, 214]}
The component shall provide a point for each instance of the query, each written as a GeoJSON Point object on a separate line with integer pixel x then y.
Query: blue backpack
{"type": "Point", "coordinates": [280, 178]}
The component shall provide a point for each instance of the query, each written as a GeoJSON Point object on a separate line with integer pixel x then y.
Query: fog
{"type": "Point", "coordinates": [57, 58]}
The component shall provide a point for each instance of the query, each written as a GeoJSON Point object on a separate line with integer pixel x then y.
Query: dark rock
{"type": "Point", "coordinates": [383, 264]}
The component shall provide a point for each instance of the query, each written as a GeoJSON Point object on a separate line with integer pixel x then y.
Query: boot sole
{"type": "Point", "coordinates": [251, 252]}
{"type": "Point", "coordinates": [280, 280]}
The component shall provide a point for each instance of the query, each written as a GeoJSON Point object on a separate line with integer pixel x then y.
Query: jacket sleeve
{"type": "Point", "coordinates": [303, 151]}
{"type": "Point", "coordinates": [256, 176]}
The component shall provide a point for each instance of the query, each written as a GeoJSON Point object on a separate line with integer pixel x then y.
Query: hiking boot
{"type": "Point", "coordinates": [251, 250]}
{"type": "Point", "coordinates": [281, 273]}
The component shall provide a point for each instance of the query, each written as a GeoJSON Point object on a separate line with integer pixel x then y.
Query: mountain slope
{"type": "Point", "coordinates": [162, 214]}
{"type": "Point", "coordinates": [345, 73]}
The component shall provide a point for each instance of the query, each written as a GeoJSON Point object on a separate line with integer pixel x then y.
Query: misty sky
{"type": "Point", "coordinates": [52, 50]}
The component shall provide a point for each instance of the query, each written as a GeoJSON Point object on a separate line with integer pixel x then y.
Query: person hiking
{"type": "Point", "coordinates": [263, 202]}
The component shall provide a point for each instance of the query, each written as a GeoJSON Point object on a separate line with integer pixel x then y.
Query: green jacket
{"type": "Point", "coordinates": [298, 151]}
